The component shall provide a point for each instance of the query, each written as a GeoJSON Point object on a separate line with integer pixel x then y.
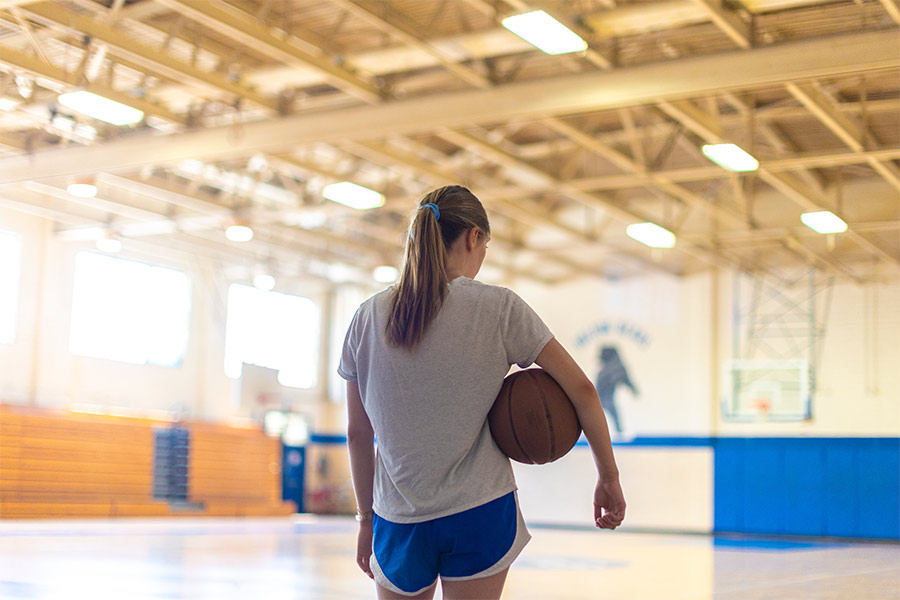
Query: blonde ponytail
{"type": "Point", "coordinates": [440, 218]}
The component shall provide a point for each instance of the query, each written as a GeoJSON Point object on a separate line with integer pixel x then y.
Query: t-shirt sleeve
{"type": "Point", "coordinates": [347, 366]}
{"type": "Point", "coordinates": [523, 332]}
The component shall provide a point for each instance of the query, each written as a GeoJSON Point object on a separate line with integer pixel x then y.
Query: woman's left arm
{"type": "Point", "coordinates": [361, 444]}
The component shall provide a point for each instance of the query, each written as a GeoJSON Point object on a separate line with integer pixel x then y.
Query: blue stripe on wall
{"type": "Point", "coordinates": [666, 442]}
{"type": "Point", "coordinates": [830, 487]}
{"type": "Point", "coordinates": [327, 438]}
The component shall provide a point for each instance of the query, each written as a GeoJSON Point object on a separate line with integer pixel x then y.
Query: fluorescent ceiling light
{"type": "Point", "coordinates": [264, 281]}
{"type": "Point", "coordinates": [544, 32]}
{"type": "Point", "coordinates": [730, 157]}
{"type": "Point", "coordinates": [386, 274]}
{"type": "Point", "coordinates": [824, 221]}
{"type": "Point", "coordinates": [82, 190]}
{"type": "Point", "coordinates": [651, 234]}
{"type": "Point", "coordinates": [101, 108]}
{"type": "Point", "coordinates": [239, 233]}
{"type": "Point", "coordinates": [25, 86]}
{"type": "Point", "coordinates": [352, 195]}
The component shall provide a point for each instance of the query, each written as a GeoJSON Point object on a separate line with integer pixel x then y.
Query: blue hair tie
{"type": "Point", "coordinates": [434, 208]}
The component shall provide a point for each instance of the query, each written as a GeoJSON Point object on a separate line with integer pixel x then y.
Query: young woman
{"type": "Point", "coordinates": [424, 360]}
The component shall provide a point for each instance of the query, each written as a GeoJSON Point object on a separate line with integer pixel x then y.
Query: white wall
{"type": "Point", "coordinates": [858, 387]}
{"type": "Point", "coordinates": [684, 338]}
{"type": "Point", "coordinates": [675, 339]}
{"type": "Point", "coordinates": [667, 489]}
{"type": "Point", "coordinates": [661, 328]}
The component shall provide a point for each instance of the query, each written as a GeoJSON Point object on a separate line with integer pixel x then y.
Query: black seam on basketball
{"type": "Point", "coordinates": [512, 426]}
{"type": "Point", "coordinates": [549, 416]}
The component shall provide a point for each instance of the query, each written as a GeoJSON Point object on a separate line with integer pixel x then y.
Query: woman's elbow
{"type": "Point", "coordinates": [584, 393]}
{"type": "Point", "coordinates": [360, 435]}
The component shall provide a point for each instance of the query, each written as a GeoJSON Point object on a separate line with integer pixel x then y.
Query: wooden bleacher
{"type": "Point", "coordinates": [235, 471]}
{"type": "Point", "coordinates": [58, 464]}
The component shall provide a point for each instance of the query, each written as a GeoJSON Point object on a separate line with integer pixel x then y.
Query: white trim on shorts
{"type": "Point", "coordinates": [519, 542]}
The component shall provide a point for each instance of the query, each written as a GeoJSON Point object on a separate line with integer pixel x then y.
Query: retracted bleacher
{"type": "Point", "coordinates": [60, 464]}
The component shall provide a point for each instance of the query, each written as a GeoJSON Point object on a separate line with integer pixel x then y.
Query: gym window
{"type": "Point", "coordinates": [129, 311]}
{"type": "Point", "coordinates": [272, 330]}
{"type": "Point", "coordinates": [10, 259]}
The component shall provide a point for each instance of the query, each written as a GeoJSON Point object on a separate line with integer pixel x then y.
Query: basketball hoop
{"type": "Point", "coordinates": [762, 406]}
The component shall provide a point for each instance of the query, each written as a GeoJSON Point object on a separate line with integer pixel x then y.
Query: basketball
{"type": "Point", "coordinates": [532, 420]}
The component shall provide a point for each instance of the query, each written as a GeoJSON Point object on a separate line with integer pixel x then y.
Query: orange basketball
{"type": "Point", "coordinates": [532, 420]}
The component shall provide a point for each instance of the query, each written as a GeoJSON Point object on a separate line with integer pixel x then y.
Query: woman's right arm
{"type": "Point", "coordinates": [361, 445]}
{"type": "Point", "coordinates": [609, 502]}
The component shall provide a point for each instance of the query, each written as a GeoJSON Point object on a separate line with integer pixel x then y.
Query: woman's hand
{"type": "Point", "coordinates": [609, 504]}
{"type": "Point", "coordinates": [364, 547]}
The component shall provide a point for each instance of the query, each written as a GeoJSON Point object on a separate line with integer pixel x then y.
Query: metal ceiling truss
{"type": "Point", "coordinates": [537, 138]}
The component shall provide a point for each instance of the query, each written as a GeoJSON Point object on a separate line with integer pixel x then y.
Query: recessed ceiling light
{"type": "Point", "coordinates": [731, 157]}
{"type": "Point", "coordinates": [651, 234]}
{"type": "Point", "coordinates": [101, 108]}
{"type": "Point", "coordinates": [824, 221]}
{"type": "Point", "coordinates": [352, 195]}
{"type": "Point", "coordinates": [545, 33]}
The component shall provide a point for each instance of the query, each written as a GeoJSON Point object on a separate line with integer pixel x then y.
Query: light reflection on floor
{"type": "Point", "coordinates": [312, 558]}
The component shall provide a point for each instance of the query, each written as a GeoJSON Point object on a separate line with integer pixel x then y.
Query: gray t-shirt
{"type": "Point", "coordinates": [435, 454]}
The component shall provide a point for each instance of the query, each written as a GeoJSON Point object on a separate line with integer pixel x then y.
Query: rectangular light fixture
{"type": "Point", "coordinates": [101, 108]}
{"type": "Point", "coordinates": [352, 195]}
{"type": "Point", "coordinates": [545, 33]}
{"type": "Point", "coordinates": [651, 234]}
{"type": "Point", "coordinates": [731, 157]}
{"type": "Point", "coordinates": [824, 221]}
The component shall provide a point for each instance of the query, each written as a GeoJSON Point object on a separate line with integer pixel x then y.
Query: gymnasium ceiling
{"type": "Point", "coordinates": [253, 106]}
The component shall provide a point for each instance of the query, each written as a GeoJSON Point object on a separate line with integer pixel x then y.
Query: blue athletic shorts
{"type": "Point", "coordinates": [407, 558]}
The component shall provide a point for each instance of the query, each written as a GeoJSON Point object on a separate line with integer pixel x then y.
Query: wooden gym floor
{"type": "Point", "coordinates": [312, 558]}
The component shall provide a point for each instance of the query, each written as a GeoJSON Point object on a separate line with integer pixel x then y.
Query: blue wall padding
{"type": "Point", "coordinates": [729, 484]}
{"type": "Point", "coordinates": [841, 487]}
{"type": "Point", "coordinates": [804, 478]}
{"type": "Point", "coordinates": [840, 473]}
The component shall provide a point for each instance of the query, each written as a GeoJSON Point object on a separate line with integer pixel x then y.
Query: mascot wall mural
{"type": "Point", "coordinates": [611, 339]}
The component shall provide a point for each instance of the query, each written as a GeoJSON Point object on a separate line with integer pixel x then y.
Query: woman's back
{"type": "Point", "coordinates": [428, 406]}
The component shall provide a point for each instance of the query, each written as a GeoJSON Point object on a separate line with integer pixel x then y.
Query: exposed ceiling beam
{"type": "Point", "coordinates": [241, 27]}
{"type": "Point", "coordinates": [122, 44]}
{"type": "Point", "coordinates": [592, 55]}
{"type": "Point", "coordinates": [791, 242]}
{"type": "Point", "coordinates": [892, 9]}
{"type": "Point", "coordinates": [634, 19]}
{"type": "Point", "coordinates": [19, 60]}
{"type": "Point", "coordinates": [762, 116]}
{"type": "Point", "coordinates": [375, 14]}
{"type": "Point", "coordinates": [565, 188]}
{"type": "Point", "coordinates": [650, 179]}
{"type": "Point", "coordinates": [569, 94]}
{"type": "Point", "coordinates": [438, 176]}
{"type": "Point", "coordinates": [800, 193]}
{"type": "Point", "coordinates": [783, 144]}
{"type": "Point", "coordinates": [826, 110]}
{"type": "Point", "coordinates": [789, 163]}
{"type": "Point", "coordinates": [698, 121]}
{"type": "Point", "coordinates": [727, 21]}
